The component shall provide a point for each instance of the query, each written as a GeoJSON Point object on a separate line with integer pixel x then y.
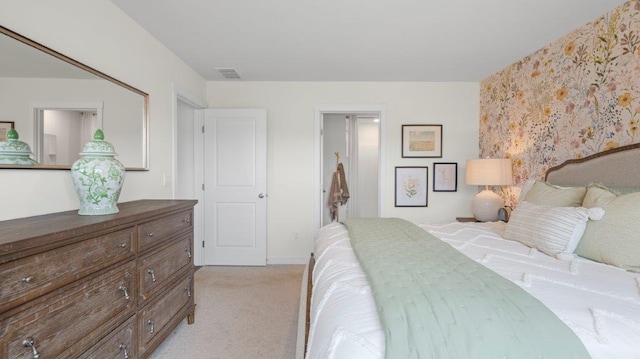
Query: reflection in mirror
{"type": "Point", "coordinates": [57, 104]}
{"type": "Point", "coordinates": [64, 133]}
{"type": "Point", "coordinates": [61, 130]}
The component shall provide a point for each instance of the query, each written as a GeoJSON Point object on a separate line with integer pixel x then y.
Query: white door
{"type": "Point", "coordinates": [235, 185]}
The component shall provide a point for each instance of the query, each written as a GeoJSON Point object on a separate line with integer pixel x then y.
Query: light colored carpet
{"type": "Point", "coordinates": [241, 312]}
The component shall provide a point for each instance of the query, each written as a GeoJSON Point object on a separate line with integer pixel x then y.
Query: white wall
{"type": "Point", "coordinates": [367, 188]}
{"type": "Point", "coordinates": [100, 35]}
{"type": "Point", "coordinates": [66, 127]}
{"type": "Point", "coordinates": [290, 107]}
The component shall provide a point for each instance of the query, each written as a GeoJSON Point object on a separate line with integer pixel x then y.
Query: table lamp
{"type": "Point", "coordinates": [488, 172]}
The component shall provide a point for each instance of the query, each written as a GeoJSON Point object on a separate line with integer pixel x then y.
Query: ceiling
{"type": "Point", "coordinates": [359, 40]}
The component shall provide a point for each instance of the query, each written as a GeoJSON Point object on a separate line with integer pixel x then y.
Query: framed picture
{"type": "Point", "coordinates": [422, 141]}
{"type": "Point", "coordinates": [411, 186]}
{"type": "Point", "coordinates": [5, 126]}
{"type": "Point", "coordinates": [445, 177]}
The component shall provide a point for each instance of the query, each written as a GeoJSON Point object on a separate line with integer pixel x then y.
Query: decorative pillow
{"type": "Point", "coordinates": [546, 194]}
{"type": "Point", "coordinates": [551, 230]}
{"type": "Point", "coordinates": [526, 187]}
{"type": "Point", "coordinates": [616, 238]}
{"type": "Point", "coordinates": [623, 190]}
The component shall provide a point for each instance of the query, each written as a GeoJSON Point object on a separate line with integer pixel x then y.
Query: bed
{"type": "Point", "coordinates": [595, 294]}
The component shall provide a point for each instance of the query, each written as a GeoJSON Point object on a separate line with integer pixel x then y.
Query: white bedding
{"type": "Point", "coordinates": [600, 303]}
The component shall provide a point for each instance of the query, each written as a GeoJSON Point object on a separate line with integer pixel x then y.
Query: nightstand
{"type": "Point", "coordinates": [466, 219]}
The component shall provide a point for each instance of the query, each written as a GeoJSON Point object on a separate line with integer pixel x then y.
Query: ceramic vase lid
{"type": "Point", "coordinates": [98, 147]}
{"type": "Point", "coordinates": [14, 151]}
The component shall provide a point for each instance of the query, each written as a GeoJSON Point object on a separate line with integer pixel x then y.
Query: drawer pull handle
{"type": "Point", "coordinates": [123, 347]}
{"type": "Point", "coordinates": [153, 274]}
{"type": "Point", "coordinates": [188, 252]}
{"type": "Point", "coordinates": [122, 245]}
{"type": "Point", "coordinates": [28, 279]}
{"type": "Point", "coordinates": [150, 324]}
{"type": "Point", "coordinates": [126, 292]}
{"type": "Point", "coordinates": [188, 290]}
{"type": "Point", "coordinates": [150, 234]}
{"type": "Point", "coordinates": [30, 343]}
{"type": "Point", "coordinates": [187, 221]}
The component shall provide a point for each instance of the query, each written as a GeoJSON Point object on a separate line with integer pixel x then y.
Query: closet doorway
{"type": "Point", "coordinates": [350, 143]}
{"type": "Point", "coordinates": [188, 168]}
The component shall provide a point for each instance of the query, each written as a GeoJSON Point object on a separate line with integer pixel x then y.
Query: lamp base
{"type": "Point", "coordinates": [485, 206]}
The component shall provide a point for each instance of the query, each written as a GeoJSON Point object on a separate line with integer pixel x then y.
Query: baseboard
{"type": "Point", "coordinates": [287, 260]}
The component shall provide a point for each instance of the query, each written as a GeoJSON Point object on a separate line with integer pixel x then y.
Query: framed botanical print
{"type": "Point", "coordinates": [411, 186]}
{"type": "Point", "coordinates": [422, 141]}
{"type": "Point", "coordinates": [445, 176]}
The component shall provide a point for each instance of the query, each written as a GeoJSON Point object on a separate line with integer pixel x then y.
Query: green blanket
{"type": "Point", "coordinates": [435, 302]}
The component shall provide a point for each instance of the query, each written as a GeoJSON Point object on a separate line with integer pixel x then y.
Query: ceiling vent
{"type": "Point", "coordinates": [228, 73]}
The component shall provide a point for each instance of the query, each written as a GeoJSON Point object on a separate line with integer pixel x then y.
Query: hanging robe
{"type": "Point", "coordinates": [343, 185]}
{"type": "Point", "coordinates": [335, 197]}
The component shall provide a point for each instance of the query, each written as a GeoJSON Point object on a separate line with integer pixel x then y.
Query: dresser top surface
{"type": "Point", "coordinates": [22, 233]}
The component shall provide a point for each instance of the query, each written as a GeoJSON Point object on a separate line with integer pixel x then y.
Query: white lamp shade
{"type": "Point", "coordinates": [488, 172]}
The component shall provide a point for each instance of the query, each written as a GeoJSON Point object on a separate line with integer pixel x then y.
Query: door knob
{"type": "Point", "coordinates": [261, 195]}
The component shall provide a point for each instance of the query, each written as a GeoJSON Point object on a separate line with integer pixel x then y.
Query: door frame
{"type": "Point", "coordinates": [180, 93]}
{"type": "Point", "coordinates": [320, 110]}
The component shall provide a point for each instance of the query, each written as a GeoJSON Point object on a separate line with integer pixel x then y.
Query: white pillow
{"type": "Point", "coordinates": [525, 189]}
{"type": "Point", "coordinates": [551, 230]}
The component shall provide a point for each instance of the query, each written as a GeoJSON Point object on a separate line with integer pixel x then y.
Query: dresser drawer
{"type": "Point", "coordinates": [153, 232]}
{"type": "Point", "coordinates": [119, 344]}
{"type": "Point", "coordinates": [155, 319]}
{"type": "Point", "coordinates": [67, 322]}
{"type": "Point", "coordinates": [159, 267]}
{"type": "Point", "coordinates": [29, 277]}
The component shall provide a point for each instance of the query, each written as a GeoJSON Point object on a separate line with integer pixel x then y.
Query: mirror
{"type": "Point", "coordinates": [57, 103]}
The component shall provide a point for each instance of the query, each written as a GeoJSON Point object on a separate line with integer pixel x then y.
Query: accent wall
{"type": "Point", "coordinates": [575, 97]}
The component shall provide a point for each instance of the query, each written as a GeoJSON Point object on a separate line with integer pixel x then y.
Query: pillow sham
{"type": "Point", "coordinates": [623, 190]}
{"type": "Point", "coordinates": [551, 230]}
{"type": "Point", "coordinates": [526, 187]}
{"type": "Point", "coordinates": [546, 194]}
{"type": "Point", "coordinates": [615, 239]}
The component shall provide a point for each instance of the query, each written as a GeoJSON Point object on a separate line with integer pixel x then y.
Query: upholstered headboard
{"type": "Point", "coordinates": [617, 168]}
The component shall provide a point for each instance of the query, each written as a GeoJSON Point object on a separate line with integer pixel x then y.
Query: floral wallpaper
{"type": "Point", "coordinates": [577, 96]}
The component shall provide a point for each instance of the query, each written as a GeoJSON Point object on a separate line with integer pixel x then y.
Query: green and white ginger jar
{"type": "Point", "coordinates": [98, 177]}
{"type": "Point", "coordinates": [14, 151]}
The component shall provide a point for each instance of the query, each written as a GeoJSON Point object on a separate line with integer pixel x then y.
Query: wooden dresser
{"type": "Point", "coordinates": [111, 286]}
